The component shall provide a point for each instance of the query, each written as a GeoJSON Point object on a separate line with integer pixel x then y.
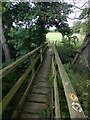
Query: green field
{"type": "Point", "coordinates": [54, 36]}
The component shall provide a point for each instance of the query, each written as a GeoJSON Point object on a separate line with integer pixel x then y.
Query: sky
{"type": "Point", "coordinates": [76, 12]}
{"type": "Point", "coordinates": [80, 4]}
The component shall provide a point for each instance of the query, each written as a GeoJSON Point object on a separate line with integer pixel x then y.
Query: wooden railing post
{"type": "Point", "coordinates": [56, 93]}
{"type": "Point", "coordinates": [41, 54]}
{"type": "Point", "coordinates": [33, 69]}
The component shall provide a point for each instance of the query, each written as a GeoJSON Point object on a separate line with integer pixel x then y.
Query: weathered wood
{"type": "Point", "coordinates": [12, 92]}
{"type": "Point", "coordinates": [15, 114]}
{"type": "Point", "coordinates": [67, 88]}
{"type": "Point", "coordinates": [84, 46]}
{"type": "Point", "coordinates": [41, 54]}
{"type": "Point", "coordinates": [7, 69]}
{"type": "Point", "coordinates": [75, 59]}
{"type": "Point", "coordinates": [56, 94]}
{"type": "Point", "coordinates": [36, 100]}
{"type": "Point", "coordinates": [33, 69]}
{"type": "Point", "coordinates": [52, 94]}
{"type": "Point", "coordinates": [14, 89]}
{"type": "Point", "coordinates": [52, 105]}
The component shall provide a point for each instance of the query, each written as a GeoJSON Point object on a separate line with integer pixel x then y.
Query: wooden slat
{"type": "Point", "coordinates": [56, 94]}
{"type": "Point", "coordinates": [67, 87]}
{"type": "Point", "coordinates": [12, 92]}
{"type": "Point", "coordinates": [16, 112]}
{"type": "Point", "coordinates": [7, 69]}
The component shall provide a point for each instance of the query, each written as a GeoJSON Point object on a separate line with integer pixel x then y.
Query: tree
{"type": "Point", "coordinates": [25, 25]}
{"type": "Point", "coordinates": [76, 27]}
{"type": "Point", "coordinates": [85, 14]}
{"type": "Point", "coordinates": [54, 14]}
{"type": "Point", "coordinates": [4, 41]}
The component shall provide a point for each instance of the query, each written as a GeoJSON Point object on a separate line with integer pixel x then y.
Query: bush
{"type": "Point", "coordinates": [67, 49]}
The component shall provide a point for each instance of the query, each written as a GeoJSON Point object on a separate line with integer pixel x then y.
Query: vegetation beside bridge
{"type": "Point", "coordinates": [25, 27]}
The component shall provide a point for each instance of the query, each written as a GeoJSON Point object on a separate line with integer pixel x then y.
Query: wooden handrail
{"type": "Point", "coordinates": [68, 89]}
{"type": "Point", "coordinates": [10, 67]}
{"type": "Point", "coordinates": [6, 100]}
{"type": "Point", "coordinates": [56, 93]}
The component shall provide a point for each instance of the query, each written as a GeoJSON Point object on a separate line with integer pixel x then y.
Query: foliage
{"type": "Point", "coordinates": [71, 75]}
{"type": "Point", "coordinates": [85, 27]}
{"type": "Point", "coordinates": [24, 41]}
{"type": "Point", "coordinates": [76, 27]}
{"type": "Point", "coordinates": [85, 13]}
{"type": "Point", "coordinates": [25, 24]}
{"type": "Point", "coordinates": [64, 29]}
{"type": "Point", "coordinates": [79, 83]}
{"type": "Point", "coordinates": [82, 27]}
{"type": "Point", "coordinates": [7, 63]}
{"type": "Point", "coordinates": [45, 114]}
{"type": "Point", "coordinates": [67, 48]}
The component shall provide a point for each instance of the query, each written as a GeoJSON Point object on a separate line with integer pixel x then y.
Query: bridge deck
{"type": "Point", "coordinates": [38, 97]}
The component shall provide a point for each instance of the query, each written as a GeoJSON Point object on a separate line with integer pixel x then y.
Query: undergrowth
{"type": "Point", "coordinates": [79, 82]}
{"type": "Point", "coordinates": [46, 113]}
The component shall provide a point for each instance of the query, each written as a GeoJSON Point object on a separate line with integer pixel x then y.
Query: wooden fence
{"type": "Point", "coordinates": [6, 100]}
{"type": "Point", "coordinates": [74, 106]}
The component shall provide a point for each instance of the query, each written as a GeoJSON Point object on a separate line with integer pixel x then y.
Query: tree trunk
{"type": "Point", "coordinates": [5, 48]}
{"type": "Point", "coordinates": [4, 41]}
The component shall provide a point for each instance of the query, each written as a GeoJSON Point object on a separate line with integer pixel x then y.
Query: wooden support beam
{"type": "Point", "coordinates": [33, 69]}
{"type": "Point", "coordinates": [41, 55]}
{"type": "Point", "coordinates": [74, 106]}
{"type": "Point", "coordinates": [56, 94]}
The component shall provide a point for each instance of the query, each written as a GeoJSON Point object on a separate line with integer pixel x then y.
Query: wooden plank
{"type": "Point", "coordinates": [67, 88]}
{"type": "Point", "coordinates": [56, 94]}
{"type": "Point", "coordinates": [7, 69]}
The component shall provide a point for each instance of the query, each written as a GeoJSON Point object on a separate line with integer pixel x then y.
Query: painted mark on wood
{"type": "Point", "coordinates": [66, 83]}
{"type": "Point", "coordinates": [76, 107]}
{"type": "Point", "coordinates": [73, 97]}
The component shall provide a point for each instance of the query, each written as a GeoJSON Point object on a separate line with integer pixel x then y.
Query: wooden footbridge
{"type": "Point", "coordinates": [39, 94]}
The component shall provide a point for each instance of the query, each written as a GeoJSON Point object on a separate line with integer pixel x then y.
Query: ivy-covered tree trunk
{"type": "Point", "coordinates": [4, 41]}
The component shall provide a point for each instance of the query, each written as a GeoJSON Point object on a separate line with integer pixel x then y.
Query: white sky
{"type": "Point", "coordinates": [79, 3]}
